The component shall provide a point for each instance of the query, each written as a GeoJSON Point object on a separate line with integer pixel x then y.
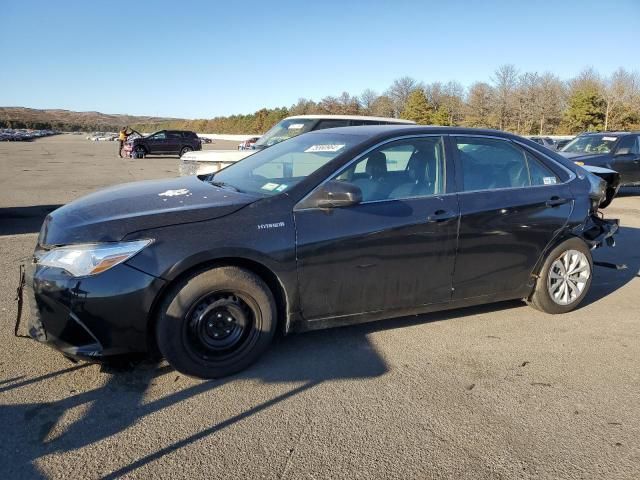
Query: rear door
{"type": "Point", "coordinates": [156, 143]}
{"type": "Point", "coordinates": [512, 204]}
{"type": "Point", "coordinates": [394, 250]}
{"type": "Point", "coordinates": [626, 159]}
{"type": "Point", "coordinates": [174, 142]}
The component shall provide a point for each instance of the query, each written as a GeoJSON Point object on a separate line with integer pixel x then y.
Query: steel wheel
{"type": "Point", "coordinates": [219, 325]}
{"type": "Point", "coordinates": [568, 277]}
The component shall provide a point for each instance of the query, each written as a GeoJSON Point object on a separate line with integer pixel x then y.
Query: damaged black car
{"type": "Point", "coordinates": [329, 228]}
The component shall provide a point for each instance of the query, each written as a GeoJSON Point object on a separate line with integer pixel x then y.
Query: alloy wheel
{"type": "Point", "coordinates": [568, 277]}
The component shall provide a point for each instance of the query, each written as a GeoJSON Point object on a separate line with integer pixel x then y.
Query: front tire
{"type": "Point", "coordinates": [216, 322]}
{"type": "Point", "coordinates": [565, 278]}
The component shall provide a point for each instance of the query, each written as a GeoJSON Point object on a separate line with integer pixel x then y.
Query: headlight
{"type": "Point", "coordinates": [91, 258]}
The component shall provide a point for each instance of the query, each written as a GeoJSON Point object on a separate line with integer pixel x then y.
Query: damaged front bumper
{"type": "Point", "coordinates": [79, 317]}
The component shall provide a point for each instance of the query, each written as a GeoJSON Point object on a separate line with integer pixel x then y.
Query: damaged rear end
{"type": "Point", "coordinates": [597, 231]}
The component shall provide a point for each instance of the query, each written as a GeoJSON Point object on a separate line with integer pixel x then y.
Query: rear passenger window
{"type": "Point", "coordinates": [489, 164]}
{"type": "Point", "coordinates": [540, 174]}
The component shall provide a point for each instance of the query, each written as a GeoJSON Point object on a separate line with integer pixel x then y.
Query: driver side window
{"type": "Point", "coordinates": [402, 169]}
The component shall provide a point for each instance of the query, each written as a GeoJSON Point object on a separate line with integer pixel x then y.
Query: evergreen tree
{"type": "Point", "coordinates": [586, 111]}
{"type": "Point", "coordinates": [417, 108]}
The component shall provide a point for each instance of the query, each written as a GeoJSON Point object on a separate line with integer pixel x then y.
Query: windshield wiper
{"type": "Point", "coordinates": [228, 186]}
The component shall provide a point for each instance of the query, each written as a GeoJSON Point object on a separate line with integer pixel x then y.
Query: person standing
{"type": "Point", "coordinates": [122, 137]}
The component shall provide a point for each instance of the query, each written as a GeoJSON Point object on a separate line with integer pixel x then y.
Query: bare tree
{"type": "Point", "coordinates": [618, 93]}
{"type": "Point", "coordinates": [479, 105]}
{"type": "Point", "coordinates": [399, 92]}
{"type": "Point", "coordinates": [505, 80]}
{"type": "Point", "coordinates": [383, 107]}
{"type": "Point", "coordinates": [367, 101]}
{"type": "Point", "coordinates": [551, 101]}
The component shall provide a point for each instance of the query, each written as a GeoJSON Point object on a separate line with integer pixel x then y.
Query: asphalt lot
{"type": "Point", "coordinates": [499, 391]}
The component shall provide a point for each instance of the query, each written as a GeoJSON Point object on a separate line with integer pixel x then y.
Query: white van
{"type": "Point", "coordinates": [210, 161]}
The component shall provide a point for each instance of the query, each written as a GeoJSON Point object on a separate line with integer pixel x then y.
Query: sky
{"type": "Point", "coordinates": [200, 59]}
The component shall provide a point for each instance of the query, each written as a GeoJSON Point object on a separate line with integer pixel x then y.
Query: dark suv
{"type": "Point", "coordinates": [619, 151]}
{"type": "Point", "coordinates": [166, 142]}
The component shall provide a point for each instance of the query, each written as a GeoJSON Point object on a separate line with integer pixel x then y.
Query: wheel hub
{"type": "Point", "coordinates": [218, 324]}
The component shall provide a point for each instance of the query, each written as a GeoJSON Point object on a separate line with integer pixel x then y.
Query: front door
{"type": "Point", "coordinates": [511, 206]}
{"type": "Point", "coordinates": [626, 159]}
{"type": "Point", "coordinates": [394, 250]}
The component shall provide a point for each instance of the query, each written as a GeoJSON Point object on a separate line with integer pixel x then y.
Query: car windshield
{"type": "Point", "coordinates": [287, 128]}
{"type": "Point", "coordinates": [278, 168]}
{"type": "Point", "coordinates": [591, 144]}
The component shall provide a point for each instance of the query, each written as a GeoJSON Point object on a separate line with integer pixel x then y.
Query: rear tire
{"type": "Point", "coordinates": [185, 150]}
{"type": "Point", "coordinates": [565, 278]}
{"type": "Point", "coordinates": [216, 322]}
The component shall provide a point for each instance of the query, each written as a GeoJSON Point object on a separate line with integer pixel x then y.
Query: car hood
{"type": "Point", "coordinates": [590, 158]}
{"type": "Point", "coordinates": [110, 214]}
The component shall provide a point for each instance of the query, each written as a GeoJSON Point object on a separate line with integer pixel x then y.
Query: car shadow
{"type": "Point", "coordinates": [20, 220]}
{"type": "Point", "coordinates": [626, 252]}
{"type": "Point", "coordinates": [305, 361]}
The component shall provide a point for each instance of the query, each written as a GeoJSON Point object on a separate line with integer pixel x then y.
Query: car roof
{"type": "Point", "coordinates": [352, 117]}
{"type": "Point", "coordinates": [384, 131]}
{"type": "Point", "coordinates": [610, 133]}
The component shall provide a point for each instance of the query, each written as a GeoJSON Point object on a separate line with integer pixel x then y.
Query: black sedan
{"type": "Point", "coordinates": [619, 151]}
{"type": "Point", "coordinates": [328, 228]}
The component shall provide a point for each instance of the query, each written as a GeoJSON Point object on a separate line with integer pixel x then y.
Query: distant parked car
{"type": "Point", "coordinates": [248, 143]}
{"type": "Point", "coordinates": [619, 151]}
{"type": "Point", "coordinates": [211, 161]}
{"type": "Point", "coordinates": [166, 142]}
{"type": "Point", "coordinates": [544, 141]}
{"type": "Point", "coordinates": [205, 140]}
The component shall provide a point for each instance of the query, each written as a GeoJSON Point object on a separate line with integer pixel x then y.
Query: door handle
{"type": "Point", "coordinates": [441, 216]}
{"type": "Point", "coordinates": [556, 201]}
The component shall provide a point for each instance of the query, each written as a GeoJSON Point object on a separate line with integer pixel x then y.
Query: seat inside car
{"type": "Point", "coordinates": [372, 183]}
{"type": "Point", "coordinates": [420, 175]}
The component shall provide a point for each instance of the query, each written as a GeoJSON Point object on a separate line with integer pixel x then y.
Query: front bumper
{"type": "Point", "coordinates": [90, 317]}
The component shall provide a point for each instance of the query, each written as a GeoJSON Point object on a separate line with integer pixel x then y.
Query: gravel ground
{"type": "Point", "coordinates": [499, 391]}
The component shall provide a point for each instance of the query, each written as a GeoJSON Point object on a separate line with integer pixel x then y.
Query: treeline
{"type": "Point", "coordinates": [58, 126]}
{"type": "Point", "coordinates": [526, 103]}
{"type": "Point", "coordinates": [68, 121]}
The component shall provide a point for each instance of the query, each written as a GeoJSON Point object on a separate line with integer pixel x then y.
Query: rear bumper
{"type": "Point", "coordinates": [93, 317]}
{"type": "Point", "coordinates": [597, 231]}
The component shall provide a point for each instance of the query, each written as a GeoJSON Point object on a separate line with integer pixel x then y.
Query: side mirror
{"type": "Point", "coordinates": [334, 194]}
{"type": "Point", "coordinates": [623, 151]}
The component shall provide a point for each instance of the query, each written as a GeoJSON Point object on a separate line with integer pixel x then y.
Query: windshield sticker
{"type": "Point", "coordinates": [324, 148]}
{"type": "Point", "coordinates": [549, 180]}
{"type": "Point", "coordinates": [270, 186]}
{"type": "Point", "coordinates": [281, 188]}
{"type": "Point", "coordinates": [296, 126]}
{"type": "Point", "coordinates": [174, 193]}
{"type": "Point", "coordinates": [609, 139]}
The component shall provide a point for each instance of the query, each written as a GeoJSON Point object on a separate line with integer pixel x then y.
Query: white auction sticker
{"type": "Point", "coordinates": [549, 180]}
{"type": "Point", "coordinates": [324, 148]}
{"type": "Point", "coordinates": [609, 139]}
{"type": "Point", "coordinates": [296, 126]}
{"type": "Point", "coordinates": [270, 186]}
